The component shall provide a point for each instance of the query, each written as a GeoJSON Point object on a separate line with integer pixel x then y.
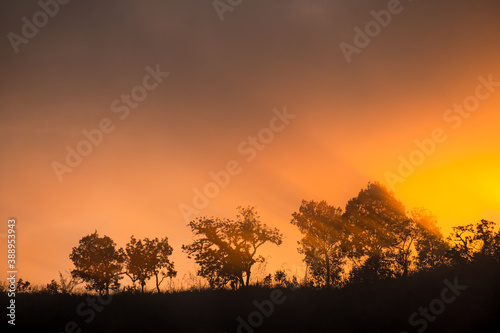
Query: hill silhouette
{"type": "Point", "coordinates": [383, 306]}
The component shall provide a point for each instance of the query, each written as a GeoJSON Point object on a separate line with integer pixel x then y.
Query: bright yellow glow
{"type": "Point", "coordinates": [462, 191]}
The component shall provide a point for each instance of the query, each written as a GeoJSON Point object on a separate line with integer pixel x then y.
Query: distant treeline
{"type": "Point", "coordinates": [374, 238]}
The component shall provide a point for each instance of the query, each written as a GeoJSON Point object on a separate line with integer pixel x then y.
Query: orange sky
{"type": "Point", "coordinates": [352, 121]}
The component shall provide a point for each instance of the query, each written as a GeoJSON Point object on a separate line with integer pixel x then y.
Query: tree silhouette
{"type": "Point", "coordinates": [160, 250]}
{"type": "Point", "coordinates": [147, 258]}
{"type": "Point", "coordinates": [375, 238]}
{"type": "Point", "coordinates": [226, 250]}
{"type": "Point", "coordinates": [462, 240]}
{"type": "Point", "coordinates": [324, 240]}
{"type": "Point", "coordinates": [489, 241]}
{"type": "Point", "coordinates": [382, 234]}
{"type": "Point", "coordinates": [97, 262]}
{"type": "Point", "coordinates": [136, 262]}
{"type": "Point", "coordinates": [475, 242]}
{"type": "Point", "coordinates": [430, 246]}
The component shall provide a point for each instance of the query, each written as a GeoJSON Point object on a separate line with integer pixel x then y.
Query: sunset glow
{"type": "Point", "coordinates": [352, 122]}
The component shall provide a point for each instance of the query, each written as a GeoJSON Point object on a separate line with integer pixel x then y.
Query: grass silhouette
{"type": "Point", "coordinates": [384, 306]}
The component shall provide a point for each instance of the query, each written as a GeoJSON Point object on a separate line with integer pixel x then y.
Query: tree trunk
{"type": "Point", "coordinates": [248, 277]}
{"type": "Point", "coordinates": [406, 263]}
{"type": "Point", "coordinates": [241, 280]}
{"type": "Point", "coordinates": [157, 284]}
{"type": "Point", "coordinates": [327, 260]}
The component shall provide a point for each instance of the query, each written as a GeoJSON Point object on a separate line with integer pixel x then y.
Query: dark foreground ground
{"type": "Point", "coordinates": [383, 307]}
